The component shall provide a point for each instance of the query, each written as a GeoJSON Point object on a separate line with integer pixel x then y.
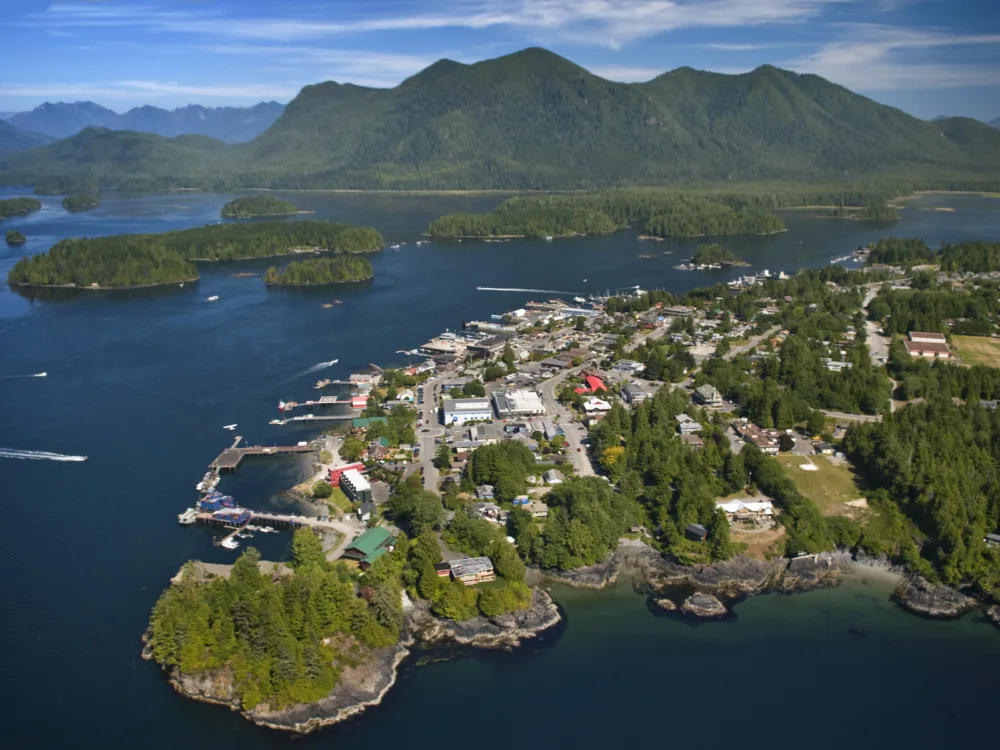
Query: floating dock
{"type": "Point", "coordinates": [322, 401]}
{"type": "Point", "coordinates": [280, 519]}
{"type": "Point", "coordinates": [315, 418]}
{"type": "Point", "coordinates": [230, 458]}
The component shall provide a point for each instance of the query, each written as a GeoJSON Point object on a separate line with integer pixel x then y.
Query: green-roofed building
{"type": "Point", "coordinates": [369, 547]}
{"type": "Point", "coordinates": [366, 422]}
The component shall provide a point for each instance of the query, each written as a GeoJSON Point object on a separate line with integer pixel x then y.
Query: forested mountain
{"type": "Point", "coordinates": [995, 123]}
{"type": "Point", "coordinates": [14, 139]}
{"type": "Point", "coordinates": [229, 124]}
{"type": "Point", "coordinates": [535, 120]}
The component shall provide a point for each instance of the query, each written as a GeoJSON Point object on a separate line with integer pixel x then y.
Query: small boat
{"type": "Point", "coordinates": [549, 238]}
{"type": "Point", "coordinates": [326, 305]}
{"type": "Point", "coordinates": [40, 375]}
{"type": "Point", "coordinates": [229, 543]}
{"type": "Point", "coordinates": [188, 517]}
{"type": "Point", "coordinates": [584, 281]}
{"type": "Point", "coordinates": [277, 421]}
{"type": "Point", "coordinates": [229, 426]}
{"type": "Point", "coordinates": [213, 298]}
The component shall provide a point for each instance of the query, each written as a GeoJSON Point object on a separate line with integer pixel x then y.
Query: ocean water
{"type": "Point", "coordinates": [142, 382]}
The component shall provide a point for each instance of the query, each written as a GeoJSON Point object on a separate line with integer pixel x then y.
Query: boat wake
{"type": "Point", "coordinates": [19, 377]}
{"type": "Point", "coordinates": [535, 291]}
{"type": "Point", "coordinates": [320, 366]}
{"type": "Point", "coordinates": [38, 455]}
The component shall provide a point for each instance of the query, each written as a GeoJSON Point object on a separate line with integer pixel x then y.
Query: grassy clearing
{"type": "Point", "coordinates": [830, 486]}
{"type": "Point", "coordinates": [977, 350]}
{"type": "Point", "coordinates": [339, 499]}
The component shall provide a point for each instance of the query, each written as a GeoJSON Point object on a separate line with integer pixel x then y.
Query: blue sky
{"type": "Point", "coordinates": [927, 57]}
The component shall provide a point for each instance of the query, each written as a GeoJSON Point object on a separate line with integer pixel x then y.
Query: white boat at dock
{"type": "Point", "coordinates": [188, 517]}
{"type": "Point", "coordinates": [229, 543]}
{"type": "Point", "coordinates": [277, 421]}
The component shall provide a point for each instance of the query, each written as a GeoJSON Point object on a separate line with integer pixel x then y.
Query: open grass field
{"type": "Point", "coordinates": [339, 499]}
{"type": "Point", "coordinates": [829, 486]}
{"type": "Point", "coordinates": [977, 350]}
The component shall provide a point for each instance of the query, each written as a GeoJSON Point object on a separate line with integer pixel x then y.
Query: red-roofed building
{"type": "Point", "coordinates": [335, 473]}
{"type": "Point", "coordinates": [594, 384]}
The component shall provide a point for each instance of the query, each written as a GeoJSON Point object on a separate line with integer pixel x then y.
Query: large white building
{"type": "Point", "coordinates": [463, 410]}
{"type": "Point", "coordinates": [520, 403]}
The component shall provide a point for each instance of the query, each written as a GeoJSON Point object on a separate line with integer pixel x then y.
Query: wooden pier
{"type": "Point", "coordinates": [230, 458]}
{"type": "Point", "coordinates": [279, 519]}
{"type": "Point", "coordinates": [322, 401]}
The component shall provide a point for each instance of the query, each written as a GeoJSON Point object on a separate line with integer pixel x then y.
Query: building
{"type": "Point", "coordinates": [558, 362]}
{"type": "Point", "coordinates": [491, 346]}
{"type": "Point", "coordinates": [635, 394]}
{"type": "Point", "coordinates": [627, 367]}
{"type": "Point", "coordinates": [484, 492]}
{"type": "Point", "coordinates": [834, 365]}
{"type": "Point", "coordinates": [484, 434]}
{"type": "Point", "coordinates": [366, 511]}
{"type": "Point", "coordinates": [442, 569]}
{"type": "Point", "coordinates": [693, 440]}
{"type": "Point", "coordinates": [355, 486]}
{"type": "Point", "coordinates": [489, 512]}
{"type": "Point", "coordinates": [927, 345]}
{"type": "Point", "coordinates": [379, 450]}
{"type": "Point", "coordinates": [678, 311]}
{"type": "Point", "coordinates": [687, 425]}
{"type": "Point", "coordinates": [552, 477]}
{"type": "Point", "coordinates": [824, 448]}
{"type": "Point", "coordinates": [696, 532]}
{"type": "Point", "coordinates": [518, 403]}
{"type": "Point", "coordinates": [472, 570]}
{"type": "Point", "coordinates": [755, 511]}
{"type": "Point", "coordinates": [766, 441]}
{"type": "Point", "coordinates": [335, 474]}
{"type": "Point", "coordinates": [537, 509]}
{"type": "Point", "coordinates": [595, 404]}
{"type": "Point", "coordinates": [992, 540]}
{"type": "Point", "coordinates": [708, 395]}
{"type": "Point", "coordinates": [460, 411]}
{"type": "Point", "coordinates": [370, 546]}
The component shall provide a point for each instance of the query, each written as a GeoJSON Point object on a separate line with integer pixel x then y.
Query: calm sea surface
{"type": "Point", "coordinates": [142, 383]}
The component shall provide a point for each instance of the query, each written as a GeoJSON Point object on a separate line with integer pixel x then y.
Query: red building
{"type": "Point", "coordinates": [335, 473]}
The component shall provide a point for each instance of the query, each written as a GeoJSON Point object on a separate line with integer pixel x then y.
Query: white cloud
{"type": "Point", "coordinates": [873, 58]}
{"type": "Point", "coordinates": [608, 23]}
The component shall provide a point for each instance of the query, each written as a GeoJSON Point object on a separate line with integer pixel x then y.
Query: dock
{"type": "Point", "coordinates": [326, 381]}
{"type": "Point", "coordinates": [322, 401]}
{"type": "Point", "coordinates": [230, 458]}
{"type": "Point", "coordinates": [280, 519]}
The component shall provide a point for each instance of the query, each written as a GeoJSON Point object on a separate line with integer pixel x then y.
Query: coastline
{"type": "Point", "coordinates": [366, 684]}
{"type": "Point", "coordinates": [264, 216]}
{"type": "Point", "coordinates": [91, 288]}
{"type": "Point", "coordinates": [319, 283]}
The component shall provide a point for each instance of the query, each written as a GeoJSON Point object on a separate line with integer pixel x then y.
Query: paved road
{"type": "Point", "coordinates": [349, 528]}
{"type": "Point", "coordinates": [430, 406]}
{"type": "Point", "coordinates": [750, 343]}
{"type": "Point", "coordinates": [851, 417]}
{"type": "Point", "coordinates": [574, 431]}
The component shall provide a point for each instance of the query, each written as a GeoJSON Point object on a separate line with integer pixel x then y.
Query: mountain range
{"type": "Point", "coordinates": [995, 123]}
{"type": "Point", "coordinates": [534, 120]}
{"type": "Point", "coordinates": [14, 139]}
{"type": "Point", "coordinates": [229, 124]}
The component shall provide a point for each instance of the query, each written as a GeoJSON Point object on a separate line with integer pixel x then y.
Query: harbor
{"type": "Point", "coordinates": [231, 457]}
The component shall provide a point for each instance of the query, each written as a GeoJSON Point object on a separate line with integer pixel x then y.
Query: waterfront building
{"type": "Point", "coordinates": [355, 486]}
{"type": "Point", "coordinates": [472, 570]}
{"type": "Point", "coordinates": [370, 546]}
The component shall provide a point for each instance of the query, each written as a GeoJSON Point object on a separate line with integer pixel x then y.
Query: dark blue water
{"type": "Point", "coordinates": [143, 382]}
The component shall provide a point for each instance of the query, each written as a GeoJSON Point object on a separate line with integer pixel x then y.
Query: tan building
{"type": "Point", "coordinates": [927, 345]}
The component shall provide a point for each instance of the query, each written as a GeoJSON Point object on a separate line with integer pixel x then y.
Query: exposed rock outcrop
{"type": "Point", "coordinates": [730, 578]}
{"type": "Point", "coordinates": [503, 632]}
{"type": "Point", "coordinates": [815, 571]}
{"type": "Point", "coordinates": [667, 605]}
{"type": "Point", "coordinates": [631, 553]}
{"type": "Point", "coordinates": [994, 614]}
{"type": "Point", "coordinates": [704, 605]}
{"type": "Point", "coordinates": [921, 597]}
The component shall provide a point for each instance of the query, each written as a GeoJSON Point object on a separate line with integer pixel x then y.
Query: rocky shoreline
{"type": "Point", "coordinates": [367, 683]}
{"type": "Point", "coordinates": [919, 596]}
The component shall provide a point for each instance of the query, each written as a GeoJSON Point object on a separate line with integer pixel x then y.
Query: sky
{"type": "Point", "coordinates": [927, 57]}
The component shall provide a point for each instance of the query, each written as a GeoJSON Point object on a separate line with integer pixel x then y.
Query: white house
{"type": "Point", "coordinates": [594, 404]}
{"type": "Point", "coordinates": [746, 510]}
{"type": "Point", "coordinates": [627, 367]}
{"type": "Point", "coordinates": [687, 424]}
{"type": "Point", "coordinates": [552, 477]}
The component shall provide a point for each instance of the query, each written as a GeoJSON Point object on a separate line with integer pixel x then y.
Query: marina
{"type": "Point", "coordinates": [323, 401]}
{"type": "Point", "coordinates": [231, 457]}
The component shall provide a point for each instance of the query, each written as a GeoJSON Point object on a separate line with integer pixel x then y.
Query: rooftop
{"type": "Point", "coordinates": [356, 479]}
{"type": "Point", "coordinates": [469, 566]}
{"type": "Point", "coordinates": [466, 404]}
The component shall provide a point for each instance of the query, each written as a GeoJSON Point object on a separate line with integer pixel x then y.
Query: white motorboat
{"type": "Point", "coordinates": [229, 543]}
{"type": "Point", "coordinates": [213, 298]}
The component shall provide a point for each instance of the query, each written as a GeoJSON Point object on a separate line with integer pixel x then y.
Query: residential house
{"type": "Point", "coordinates": [693, 440]}
{"type": "Point", "coordinates": [370, 546]}
{"type": "Point", "coordinates": [537, 509]}
{"type": "Point", "coordinates": [708, 395]}
{"type": "Point", "coordinates": [485, 434]}
{"type": "Point", "coordinates": [552, 477]}
{"type": "Point", "coordinates": [366, 512]}
{"type": "Point", "coordinates": [824, 448]}
{"type": "Point", "coordinates": [484, 492]}
{"type": "Point", "coordinates": [744, 510]}
{"type": "Point", "coordinates": [627, 367]}
{"type": "Point", "coordinates": [765, 440]}
{"type": "Point", "coordinates": [472, 570]}
{"type": "Point", "coordinates": [687, 425]}
{"type": "Point", "coordinates": [379, 450]}
{"type": "Point", "coordinates": [489, 512]}
{"type": "Point", "coordinates": [594, 404]}
{"type": "Point", "coordinates": [442, 569]}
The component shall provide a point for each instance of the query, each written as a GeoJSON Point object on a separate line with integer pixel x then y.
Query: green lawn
{"type": "Point", "coordinates": [830, 486]}
{"type": "Point", "coordinates": [339, 499]}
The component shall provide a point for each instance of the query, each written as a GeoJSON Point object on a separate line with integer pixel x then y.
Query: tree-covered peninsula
{"type": "Point", "coordinates": [707, 220]}
{"type": "Point", "coordinates": [715, 254]}
{"type": "Point", "coordinates": [340, 269]}
{"type": "Point", "coordinates": [18, 207]}
{"type": "Point", "coordinates": [151, 259]}
{"type": "Point", "coordinates": [80, 202]}
{"type": "Point", "coordinates": [14, 237]}
{"type": "Point", "coordinates": [257, 205]}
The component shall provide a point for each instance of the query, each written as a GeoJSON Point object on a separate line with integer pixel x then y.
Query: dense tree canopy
{"type": "Point", "coordinates": [257, 205]}
{"type": "Point", "coordinates": [18, 207]}
{"type": "Point", "coordinates": [80, 202]}
{"type": "Point", "coordinates": [340, 269]}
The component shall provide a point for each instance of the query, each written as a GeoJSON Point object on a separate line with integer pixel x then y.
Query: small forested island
{"type": "Point", "coordinates": [15, 238]}
{"type": "Point", "coordinates": [872, 211]}
{"type": "Point", "coordinates": [257, 205]}
{"type": "Point", "coordinates": [529, 222]}
{"type": "Point", "coordinates": [135, 260]}
{"type": "Point", "coordinates": [660, 212]}
{"type": "Point", "coordinates": [966, 257]}
{"type": "Point", "coordinates": [18, 207]}
{"type": "Point", "coordinates": [80, 202]}
{"type": "Point", "coordinates": [717, 255]}
{"type": "Point", "coordinates": [340, 269]}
